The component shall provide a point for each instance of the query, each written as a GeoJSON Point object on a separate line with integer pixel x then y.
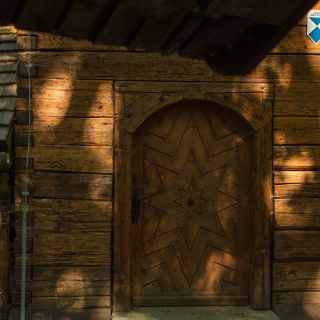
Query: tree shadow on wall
{"type": "Point", "coordinates": [73, 191]}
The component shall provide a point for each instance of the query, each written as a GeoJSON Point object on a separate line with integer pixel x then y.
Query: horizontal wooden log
{"type": "Point", "coordinates": [262, 91]}
{"type": "Point", "coordinates": [291, 244]}
{"type": "Point", "coordinates": [67, 185]}
{"type": "Point", "coordinates": [296, 130]}
{"type": "Point", "coordinates": [297, 221]}
{"type": "Point", "coordinates": [131, 66]}
{"type": "Point", "coordinates": [65, 158]}
{"type": "Point", "coordinates": [8, 104]}
{"type": "Point", "coordinates": [71, 249]}
{"type": "Point", "coordinates": [297, 90]}
{"type": "Point", "coordinates": [46, 41]}
{"type": "Point", "coordinates": [7, 78]}
{"type": "Point", "coordinates": [67, 216]}
{"type": "Point", "coordinates": [296, 297]}
{"type": "Point", "coordinates": [297, 190]}
{"type": "Point", "coordinates": [69, 131]}
{"type": "Point", "coordinates": [8, 37]}
{"type": "Point", "coordinates": [71, 273]}
{"type": "Point", "coordinates": [296, 276]}
{"type": "Point", "coordinates": [310, 206]}
{"type": "Point", "coordinates": [67, 98]}
{"type": "Point", "coordinates": [7, 29]}
{"type": "Point", "coordinates": [294, 157]}
{"type": "Point", "coordinates": [296, 177]}
{"type": "Point", "coordinates": [9, 90]}
{"type": "Point", "coordinates": [70, 302]}
{"type": "Point", "coordinates": [10, 66]}
{"type": "Point", "coordinates": [67, 288]}
{"type": "Point", "coordinates": [296, 136]}
{"type": "Point", "coordinates": [70, 314]}
{"type": "Point", "coordinates": [303, 108]}
{"type": "Point", "coordinates": [296, 41]}
{"type": "Point", "coordinates": [8, 46]}
{"type": "Point", "coordinates": [8, 56]}
{"type": "Point", "coordinates": [296, 123]}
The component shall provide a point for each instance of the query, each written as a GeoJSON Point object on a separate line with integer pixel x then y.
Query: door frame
{"type": "Point", "coordinates": [135, 102]}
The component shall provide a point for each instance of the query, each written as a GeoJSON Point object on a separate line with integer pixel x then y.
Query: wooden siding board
{"type": "Point", "coordinates": [131, 65]}
{"type": "Point", "coordinates": [68, 185]}
{"type": "Point", "coordinates": [69, 131]}
{"type": "Point", "coordinates": [297, 157]}
{"type": "Point", "coordinates": [35, 15]}
{"type": "Point", "coordinates": [296, 276]}
{"type": "Point", "coordinates": [296, 244]}
{"type": "Point", "coordinates": [65, 158]}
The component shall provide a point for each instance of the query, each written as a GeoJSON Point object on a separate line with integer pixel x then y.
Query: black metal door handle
{"type": "Point", "coordinates": [134, 208]}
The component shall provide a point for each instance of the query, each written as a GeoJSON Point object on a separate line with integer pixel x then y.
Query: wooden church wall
{"type": "Point", "coordinates": [70, 223]}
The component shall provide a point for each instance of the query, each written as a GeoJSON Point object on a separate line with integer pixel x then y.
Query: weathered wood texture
{"type": "Point", "coordinates": [73, 157]}
{"type": "Point", "coordinates": [8, 86]}
{"type": "Point", "coordinates": [70, 218]}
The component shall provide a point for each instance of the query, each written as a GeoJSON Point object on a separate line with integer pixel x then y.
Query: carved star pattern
{"type": "Point", "coordinates": [190, 205]}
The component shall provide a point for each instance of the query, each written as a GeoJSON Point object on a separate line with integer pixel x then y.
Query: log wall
{"type": "Point", "coordinates": [70, 224]}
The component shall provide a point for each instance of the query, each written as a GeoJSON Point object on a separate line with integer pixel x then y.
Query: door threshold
{"type": "Point", "coordinates": [195, 313]}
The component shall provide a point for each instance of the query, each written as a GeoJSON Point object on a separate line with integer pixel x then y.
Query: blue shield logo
{"type": "Point", "coordinates": [313, 27]}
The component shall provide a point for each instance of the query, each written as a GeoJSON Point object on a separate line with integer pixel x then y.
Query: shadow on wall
{"type": "Point", "coordinates": [73, 134]}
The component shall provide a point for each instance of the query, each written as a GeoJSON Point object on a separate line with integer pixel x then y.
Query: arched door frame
{"type": "Point", "coordinates": [134, 104]}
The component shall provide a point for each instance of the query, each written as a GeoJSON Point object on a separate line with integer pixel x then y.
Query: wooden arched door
{"type": "Point", "coordinates": [191, 228]}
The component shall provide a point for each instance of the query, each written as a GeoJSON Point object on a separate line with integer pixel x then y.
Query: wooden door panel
{"type": "Point", "coordinates": [192, 176]}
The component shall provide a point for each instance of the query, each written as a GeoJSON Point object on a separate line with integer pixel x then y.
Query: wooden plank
{"type": "Point", "coordinates": [297, 108]}
{"type": "Point", "coordinates": [296, 177]}
{"type": "Point", "coordinates": [131, 65]}
{"type": "Point", "coordinates": [7, 29]}
{"type": "Point", "coordinates": [9, 90]}
{"type": "Point", "coordinates": [6, 117]}
{"type": "Point", "coordinates": [84, 287]}
{"type": "Point", "coordinates": [8, 12]}
{"type": "Point", "coordinates": [44, 15]}
{"type": "Point", "coordinates": [8, 56]}
{"type": "Point", "coordinates": [84, 248]}
{"type": "Point", "coordinates": [308, 206]}
{"type": "Point", "coordinates": [297, 136]}
{"type": "Point", "coordinates": [296, 41]}
{"type": "Point", "coordinates": [301, 91]}
{"type": "Point", "coordinates": [268, 12]}
{"type": "Point", "coordinates": [292, 244]}
{"type": "Point", "coordinates": [297, 221]}
{"type": "Point", "coordinates": [296, 157]}
{"type": "Point", "coordinates": [7, 104]}
{"type": "Point", "coordinates": [259, 90]}
{"type": "Point", "coordinates": [70, 314]}
{"type": "Point", "coordinates": [296, 130]}
{"type": "Point", "coordinates": [297, 297]}
{"type": "Point", "coordinates": [67, 185]}
{"type": "Point", "coordinates": [46, 41]}
{"type": "Point", "coordinates": [70, 302]}
{"type": "Point", "coordinates": [67, 98]}
{"type": "Point", "coordinates": [8, 66]}
{"type": "Point", "coordinates": [154, 32]}
{"type": "Point", "coordinates": [84, 19]}
{"type": "Point", "coordinates": [7, 37]}
{"type": "Point", "coordinates": [67, 216]}
{"type": "Point", "coordinates": [65, 158]}
{"type": "Point", "coordinates": [296, 276]}
{"type": "Point", "coordinates": [4, 240]}
{"type": "Point", "coordinates": [69, 131]}
{"type": "Point", "coordinates": [184, 32]}
{"type": "Point", "coordinates": [115, 31]}
{"type": "Point", "coordinates": [297, 190]}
